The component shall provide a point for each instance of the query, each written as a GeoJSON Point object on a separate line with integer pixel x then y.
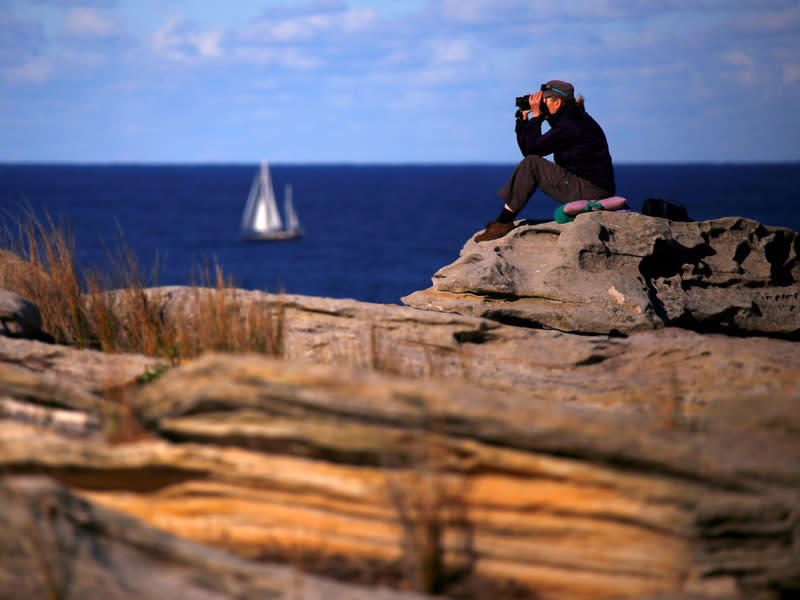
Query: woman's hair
{"type": "Point", "coordinates": [578, 101]}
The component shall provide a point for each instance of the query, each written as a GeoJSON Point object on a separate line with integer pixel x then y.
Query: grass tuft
{"type": "Point", "coordinates": [113, 310]}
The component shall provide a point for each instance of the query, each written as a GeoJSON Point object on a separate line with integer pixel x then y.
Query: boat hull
{"type": "Point", "coordinates": [271, 236]}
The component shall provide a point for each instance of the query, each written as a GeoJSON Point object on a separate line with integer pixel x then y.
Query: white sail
{"type": "Point", "coordinates": [261, 212]}
{"type": "Point", "coordinates": [274, 222]}
{"type": "Point", "coordinates": [250, 218]}
{"type": "Point", "coordinates": [292, 222]}
{"type": "Point", "coordinates": [261, 219]}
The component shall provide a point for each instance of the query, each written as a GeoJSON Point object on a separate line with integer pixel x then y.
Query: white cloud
{"type": "Point", "coordinates": [309, 26]}
{"type": "Point", "coordinates": [475, 12]}
{"type": "Point", "coordinates": [166, 38]}
{"type": "Point", "coordinates": [358, 19]}
{"type": "Point", "coordinates": [37, 70]}
{"type": "Point", "coordinates": [84, 61]}
{"type": "Point", "coordinates": [370, 57]}
{"type": "Point", "coordinates": [297, 60]}
{"type": "Point", "coordinates": [293, 30]}
{"type": "Point", "coordinates": [207, 43]}
{"type": "Point", "coordinates": [791, 74]}
{"type": "Point", "coordinates": [451, 51]}
{"type": "Point", "coordinates": [87, 22]}
{"type": "Point", "coordinates": [743, 65]}
{"type": "Point", "coordinates": [271, 40]}
{"type": "Point", "coordinates": [598, 9]}
{"type": "Point", "coordinates": [438, 76]}
{"type": "Point", "coordinates": [178, 40]}
{"type": "Point", "coordinates": [766, 21]}
{"type": "Point", "coordinates": [290, 58]}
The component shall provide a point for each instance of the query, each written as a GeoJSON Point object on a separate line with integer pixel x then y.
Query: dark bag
{"type": "Point", "coordinates": [666, 209]}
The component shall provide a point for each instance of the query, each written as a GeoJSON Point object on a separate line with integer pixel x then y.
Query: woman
{"type": "Point", "coordinates": [582, 170]}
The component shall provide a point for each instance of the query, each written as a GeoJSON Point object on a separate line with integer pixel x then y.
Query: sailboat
{"type": "Point", "coordinates": [261, 219]}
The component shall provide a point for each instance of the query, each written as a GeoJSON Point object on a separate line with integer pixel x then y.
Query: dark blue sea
{"type": "Point", "coordinates": [373, 233]}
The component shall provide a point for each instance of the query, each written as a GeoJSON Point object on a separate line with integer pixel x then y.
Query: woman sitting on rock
{"type": "Point", "coordinates": [582, 169]}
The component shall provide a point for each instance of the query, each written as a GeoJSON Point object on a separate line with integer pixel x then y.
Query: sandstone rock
{"type": "Point", "coordinates": [671, 373]}
{"type": "Point", "coordinates": [663, 464]}
{"type": "Point", "coordinates": [262, 456]}
{"type": "Point", "coordinates": [625, 272]}
{"type": "Point", "coordinates": [531, 491]}
{"type": "Point", "coordinates": [58, 545]}
{"type": "Point", "coordinates": [64, 388]}
{"type": "Point", "coordinates": [18, 317]}
{"type": "Point", "coordinates": [89, 372]}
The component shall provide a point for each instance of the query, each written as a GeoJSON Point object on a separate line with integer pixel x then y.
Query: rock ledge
{"type": "Point", "coordinates": [610, 273]}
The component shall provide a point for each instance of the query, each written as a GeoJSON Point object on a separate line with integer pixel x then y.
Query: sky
{"type": "Point", "coordinates": [391, 81]}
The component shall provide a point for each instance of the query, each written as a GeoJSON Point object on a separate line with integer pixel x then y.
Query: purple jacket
{"type": "Point", "coordinates": [576, 142]}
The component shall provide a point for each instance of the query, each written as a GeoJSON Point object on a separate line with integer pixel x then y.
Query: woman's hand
{"type": "Point", "coordinates": [536, 101]}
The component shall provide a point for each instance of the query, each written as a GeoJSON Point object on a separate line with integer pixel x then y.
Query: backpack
{"type": "Point", "coordinates": [666, 209]}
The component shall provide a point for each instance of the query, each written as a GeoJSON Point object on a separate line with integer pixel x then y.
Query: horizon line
{"type": "Point", "coordinates": [205, 163]}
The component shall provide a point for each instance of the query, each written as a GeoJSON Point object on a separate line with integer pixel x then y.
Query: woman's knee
{"type": "Point", "coordinates": [533, 162]}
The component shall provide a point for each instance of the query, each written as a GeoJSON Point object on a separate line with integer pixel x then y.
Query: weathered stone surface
{"type": "Point", "coordinates": [335, 330]}
{"type": "Point", "coordinates": [64, 388]}
{"type": "Point", "coordinates": [89, 371]}
{"type": "Point", "coordinates": [625, 272]}
{"type": "Point", "coordinates": [530, 491]}
{"type": "Point", "coordinates": [671, 374]}
{"type": "Point", "coordinates": [664, 464]}
{"type": "Point", "coordinates": [260, 456]}
{"type": "Point", "coordinates": [56, 544]}
{"type": "Point", "coordinates": [699, 380]}
{"type": "Point", "coordinates": [18, 317]}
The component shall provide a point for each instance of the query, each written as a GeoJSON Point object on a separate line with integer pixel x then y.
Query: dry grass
{"type": "Point", "coordinates": [116, 309]}
{"type": "Point", "coordinates": [219, 322]}
{"type": "Point", "coordinates": [113, 311]}
{"type": "Point", "coordinates": [42, 269]}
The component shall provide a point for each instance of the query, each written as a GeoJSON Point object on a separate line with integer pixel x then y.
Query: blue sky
{"type": "Point", "coordinates": [405, 81]}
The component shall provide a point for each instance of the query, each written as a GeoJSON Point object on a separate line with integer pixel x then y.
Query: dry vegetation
{"type": "Point", "coordinates": [79, 309]}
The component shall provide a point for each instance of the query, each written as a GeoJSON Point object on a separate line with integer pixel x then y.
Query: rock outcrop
{"type": "Point", "coordinates": [624, 272]}
{"type": "Point", "coordinates": [653, 373]}
{"type": "Point", "coordinates": [56, 544]}
{"type": "Point", "coordinates": [18, 317]}
{"type": "Point", "coordinates": [448, 450]}
{"type": "Point", "coordinates": [380, 477]}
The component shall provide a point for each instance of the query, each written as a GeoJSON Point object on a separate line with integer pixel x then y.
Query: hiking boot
{"type": "Point", "coordinates": [493, 231]}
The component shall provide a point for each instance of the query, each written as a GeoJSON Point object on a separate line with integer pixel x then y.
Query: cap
{"type": "Point", "coordinates": [558, 88]}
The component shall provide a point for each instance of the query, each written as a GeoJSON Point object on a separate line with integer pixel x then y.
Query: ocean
{"type": "Point", "coordinates": [373, 233]}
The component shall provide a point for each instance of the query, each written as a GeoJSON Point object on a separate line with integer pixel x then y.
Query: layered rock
{"type": "Point", "coordinates": [450, 452]}
{"type": "Point", "coordinates": [268, 458]}
{"type": "Point", "coordinates": [624, 272]}
{"type": "Point", "coordinates": [56, 544]}
{"type": "Point", "coordinates": [654, 373]}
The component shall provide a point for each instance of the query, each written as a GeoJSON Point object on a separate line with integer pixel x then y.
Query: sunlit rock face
{"type": "Point", "coordinates": [623, 272]}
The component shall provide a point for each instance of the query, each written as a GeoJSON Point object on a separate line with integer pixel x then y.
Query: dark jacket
{"type": "Point", "coordinates": [576, 142]}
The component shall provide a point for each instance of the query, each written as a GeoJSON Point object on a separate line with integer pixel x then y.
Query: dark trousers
{"type": "Point", "coordinates": [535, 172]}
